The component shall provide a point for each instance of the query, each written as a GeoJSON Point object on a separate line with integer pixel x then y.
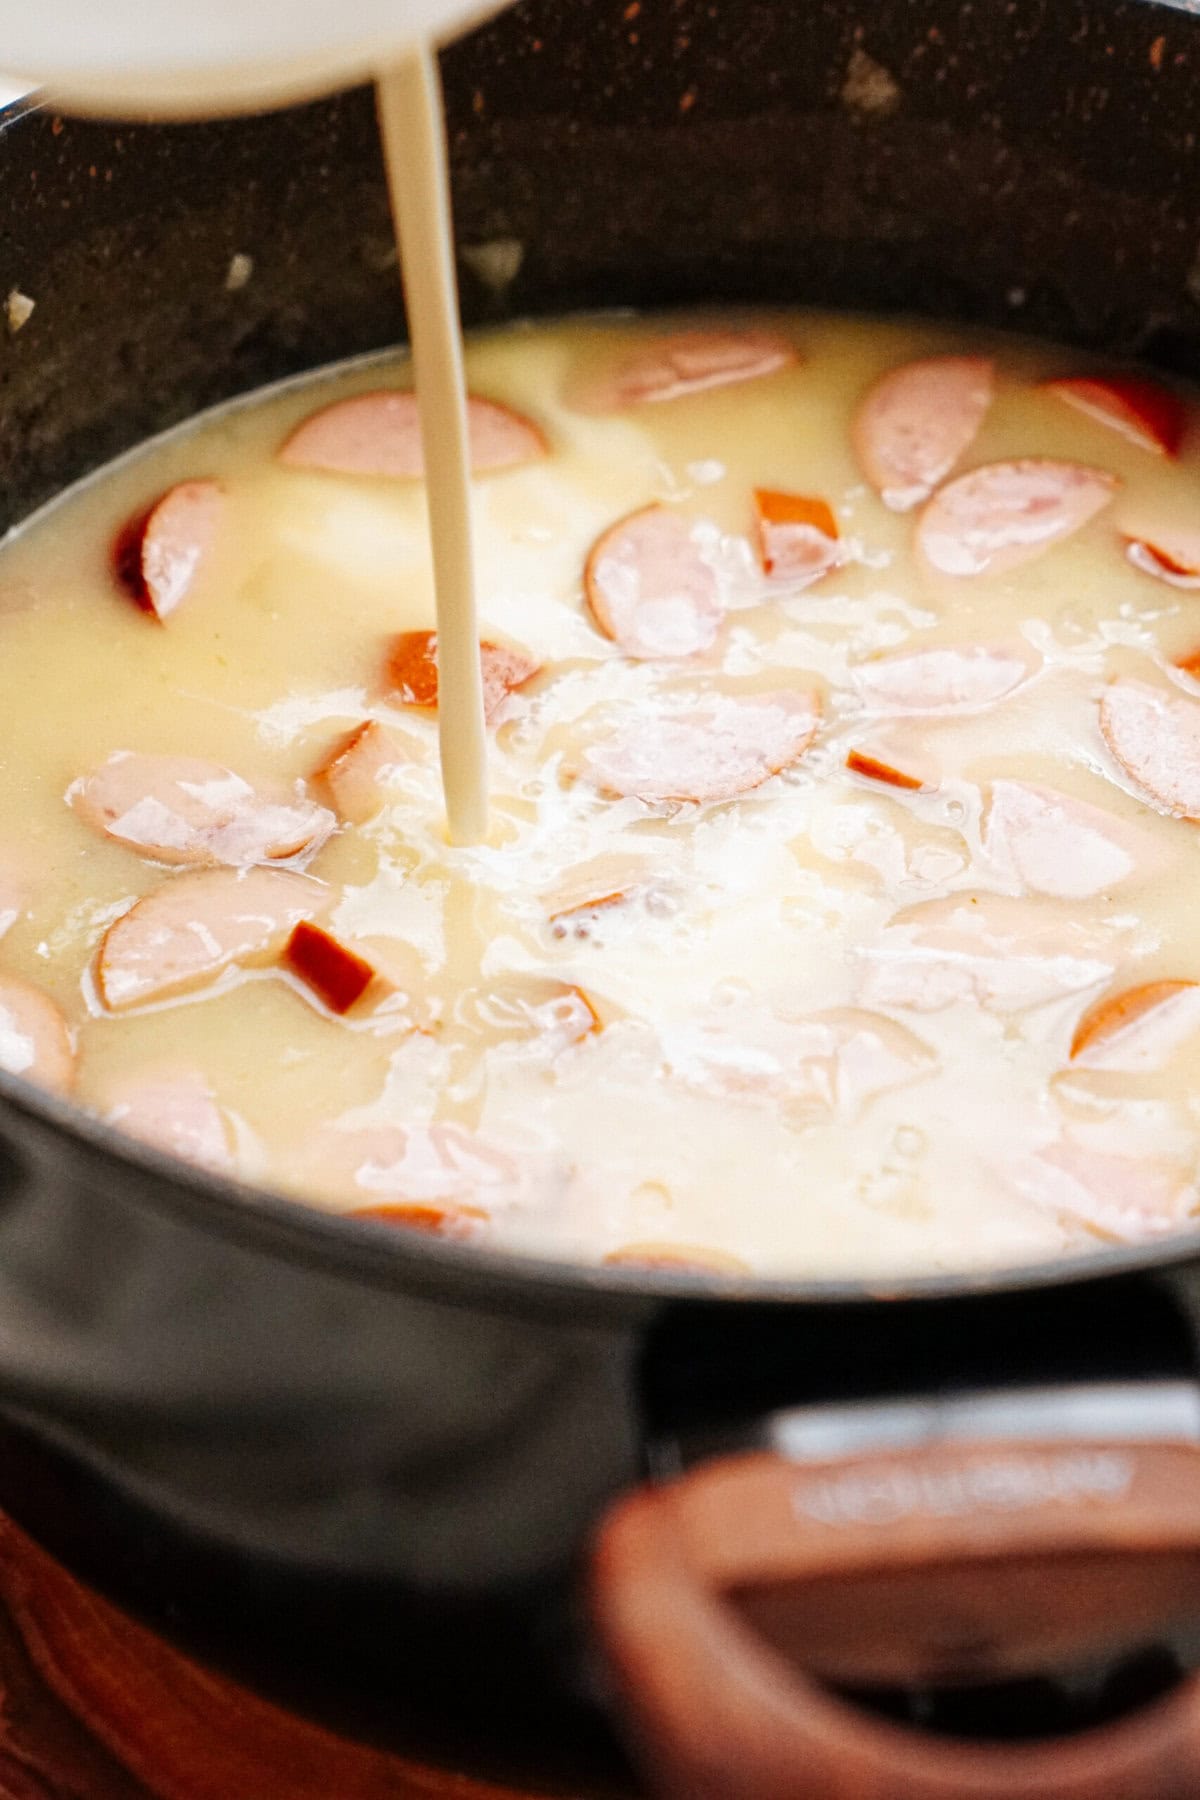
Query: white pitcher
{"type": "Point", "coordinates": [199, 58]}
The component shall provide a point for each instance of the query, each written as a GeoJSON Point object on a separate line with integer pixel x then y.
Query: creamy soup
{"type": "Point", "coordinates": [844, 748]}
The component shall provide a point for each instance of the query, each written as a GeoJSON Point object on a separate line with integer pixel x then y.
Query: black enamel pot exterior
{"type": "Point", "coordinates": [362, 1471]}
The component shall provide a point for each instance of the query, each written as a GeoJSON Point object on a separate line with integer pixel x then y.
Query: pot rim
{"type": "Point", "coordinates": [279, 1224]}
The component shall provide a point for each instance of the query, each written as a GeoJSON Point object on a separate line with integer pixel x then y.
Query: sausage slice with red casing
{"type": "Point", "coordinates": [689, 362]}
{"type": "Point", "coordinates": [1139, 1027]}
{"type": "Point", "coordinates": [34, 1039]}
{"type": "Point", "coordinates": [380, 434]}
{"type": "Point", "coordinates": [179, 809]}
{"type": "Point", "coordinates": [355, 775]}
{"type": "Point", "coordinates": [1168, 552]}
{"type": "Point", "coordinates": [1058, 845]}
{"type": "Point", "coordinates": [1142, 411]}
{"type": "Point", "coordinates": [412, 672]}
{"type": "Point", "coordinates": [1155, 737]}
{"type": "Point", "coordinates": [798, 537]}
{"type": "Point", "coordinates": [719, 747]}
{"type": "Point", "coordinates": [952, 678]}
{"type": "Point", "coordinates": [175, 1111]}
{"type": "Point", "coordinates": [916, 422]}
{"type": "Point", "coordinates": [194, 927]}
{"type": "Point", "coordinates": [159, 557]}
{"type": "Point", "coordinates": [650, 589]}
{"type": "Point", "coordinates": [1006, 514]}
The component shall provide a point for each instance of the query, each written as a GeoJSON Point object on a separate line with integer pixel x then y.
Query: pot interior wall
{"type": "Point", "coordinates": [1010, 162]}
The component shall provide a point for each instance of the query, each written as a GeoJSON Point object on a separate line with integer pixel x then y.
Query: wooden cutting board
{"type": "Point", "coordinates": [93, 1707]}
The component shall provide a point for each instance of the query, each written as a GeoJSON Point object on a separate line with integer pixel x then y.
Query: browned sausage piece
{"type": "Point", "coordinates": [1006, 514]}
{"type": "Point", "coordinates": [722, 746]}
{"type": "Point", "coordinates": [355, 776]}
{"type": "Point", "coordinates": [952, 678]}
{"type": "Point", "coordinates": [688, 362]}
{"type": "Point", "coordinates": [1155, 737]}
{"type": "Point", "coordinates": [593, 887]}
{"type": "Point", "coordinates": [1144, 413]}
{"type": "Point", "coordinates": [1168, 552]}
{"type": "Point", "coordinates": [189, 931]}
{"type": "Point", "coordinates": [798, 537]}
{"type": "Point", "coordinates": [334, 971]}
{"type": "Point", "coordinates": [916, 421]}
{"type": "Point", "coordinates": [178, 809]}
{"type": "Point", "coordinates": [456, 1224]}
{"type": "Point", "coordinates": [158, 557]}
{"type": "Point", "coordinates": [174, 1111]}
{"type": "Point", "coordinates": [412, 672]}
{"type": "Point", "coordinates": [649, 587]}
{"type": "Point", "coordinates": [1137, 1028]}
{"type": "Point", "coordinates": [872, 769]}
{"type": "Point", "coordinates": [380, 434]}
{"type": "Point", "coordinates": [34, 1039]}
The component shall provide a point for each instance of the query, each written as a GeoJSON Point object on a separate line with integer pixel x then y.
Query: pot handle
{"type": "Point", "coordinates": [949, 1563]}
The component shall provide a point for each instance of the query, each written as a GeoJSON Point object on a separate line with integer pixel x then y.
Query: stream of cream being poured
{"type": "Point", "coordinates": [414, 143]}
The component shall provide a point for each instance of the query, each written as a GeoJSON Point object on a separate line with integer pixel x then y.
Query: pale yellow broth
{"type": "Point", "coordinates": [681, 1122]}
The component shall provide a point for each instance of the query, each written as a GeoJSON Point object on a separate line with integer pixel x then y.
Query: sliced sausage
{"type": "Point", "coordinates": [355, 777]}
{"type": "Point", "coordinates": [456, 1224]}
{"type": "Point", "coordinates": [680, 1259]}
{"type": "Point", "coordinates": [337, 974]}
{"type": "Point", "coordinates": [1142, 411]}
{"type": "Point", "coordinates": [986, 949]}
{"type": "Point", "coordinates": [819, 1065]}
{"type": "Point", "coordinates": [1139, 1027]}
{"type": "Point", "coordinates": [798, 538]}
{"type": "Point", "coordinates": [1169, 553]}
{"type": "Point", "coordinates": [423, 1165]}
{"type": "Point", "coordinates": [914, 424]}
{"type": "Point", "coordinates": [175, 1112]}
{"type": "Point", "coordinates": [178, 809]}
{"type": "Point", "coordinates": [1155, 737]}
{"type": "Point", "coordinates": [412, 672]}
{"type": "Point", "coordinates": [1121, 1198]}
{"type": "Point", "coordinates": [689, 362]}
{"type": "Point", "coordinates": [954, 679]}
{"type": "Point", "coordinates": [593, 887]}
{"type": "Point", "coordinates": [189, 931]}
{"type": "Point", "coordinates": [1056, 844]}
{"type": "Point", "coordinates": [34, 1039]}
{"type": "Point", "coordinates": [380, 434]}
{"type": "Point", "coordinates": [159, 556]}
{"type": "Point", "coordinates": [529, 1009]}
{"type": "Point", "coordinates": [1006, 514]}
{"type": "Point", "coordinates": [875, 1055]}
{"type": "Point", "coordinates": [871, 769]}
{"type": "Point", "coordinates": [720, 747]}
{"type": "Point", "coordinates": [649, 587]}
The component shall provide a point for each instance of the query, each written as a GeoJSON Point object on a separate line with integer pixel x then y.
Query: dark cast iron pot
{"type": "Point", "coordinates": [397, 1483]}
